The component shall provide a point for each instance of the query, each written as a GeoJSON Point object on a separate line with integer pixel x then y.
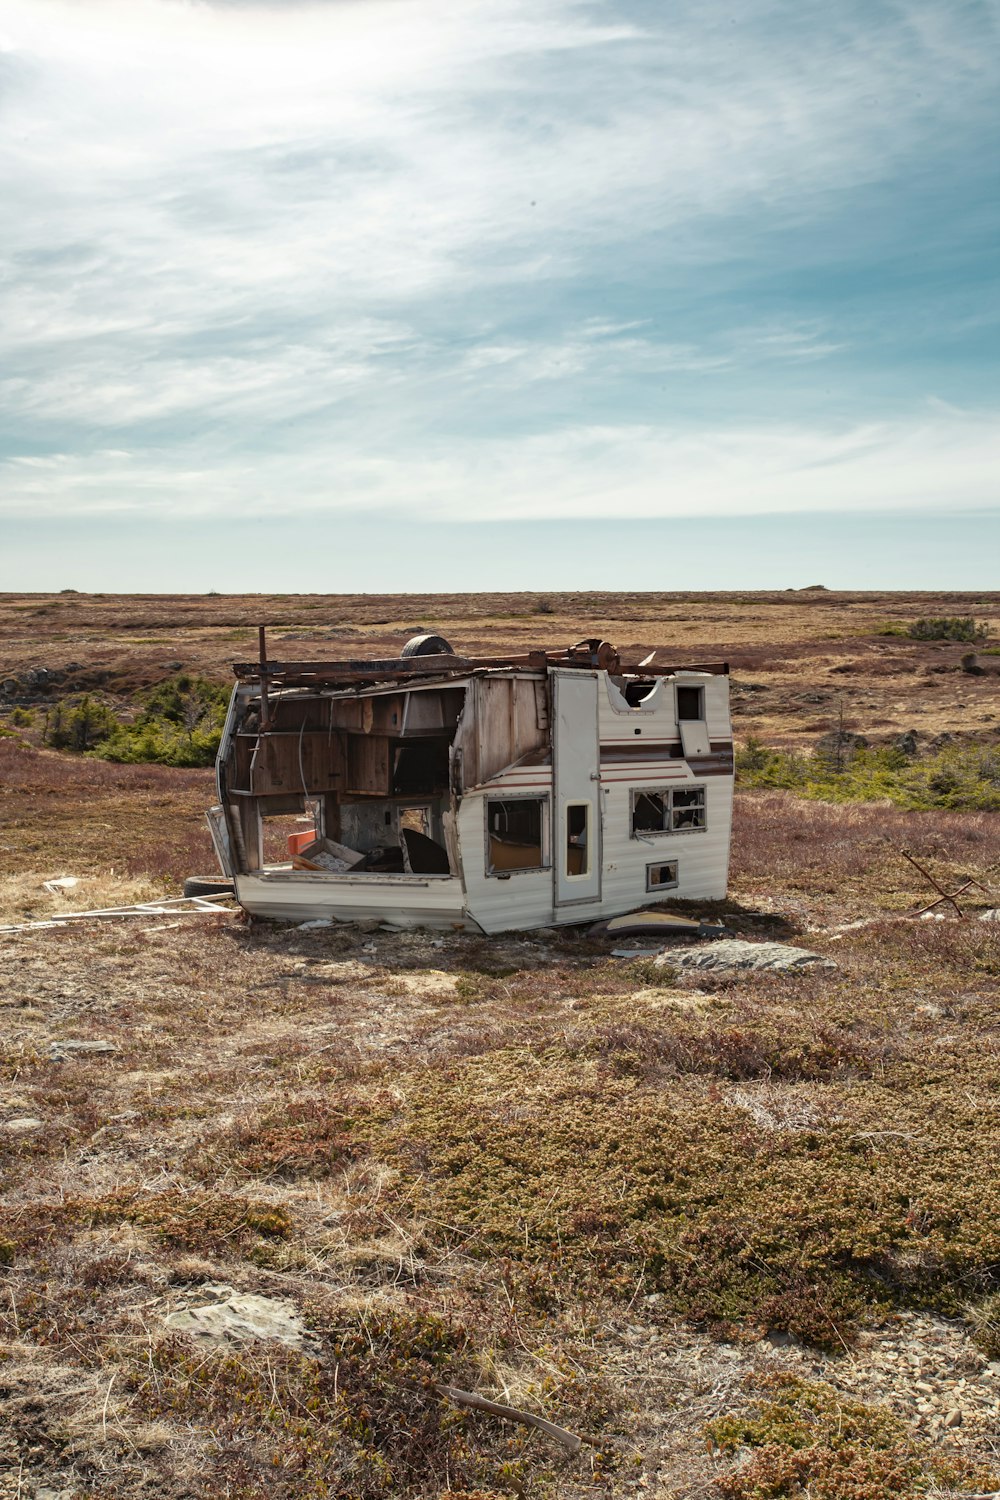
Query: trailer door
{"type": "Point", "coordinates": [576, 812]}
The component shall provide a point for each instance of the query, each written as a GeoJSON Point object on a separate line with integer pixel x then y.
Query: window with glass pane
{"type": "Point", "coordinates": [668, 810]}
{"type": "Point", "coordinates": [687, 808]}
{"type": "Point", "coordinates": [577, 843]}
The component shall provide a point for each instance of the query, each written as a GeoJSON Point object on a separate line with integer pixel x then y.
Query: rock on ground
{"type": "Point", "coordinates": [732, 954]}
{"type": "Point", "coordinates": [242, 1317]}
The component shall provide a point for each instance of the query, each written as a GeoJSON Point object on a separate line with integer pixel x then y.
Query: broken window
{"type": "Point", "coordinates": [281, 836]}
{"type": "Point", "coordinates": [515, 834]}
{"type": "Point", "coordinates": [650, 812]}
{"type": "Point", "coordinates": [577, 841]}
{"type": "Point", "coordinates": [687, 808]}
{"type": "Point", "coordinates": [668, 810]}
{"type": "Point", "coordinates": [661, 877]}
{"type": "Point", "coordinates": [690, 703]}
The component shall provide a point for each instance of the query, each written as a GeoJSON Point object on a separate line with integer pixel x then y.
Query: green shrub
{"type": "Point", "coordinates": [808, 1440]}
{"type": "Point", "coordinates": [179, 723]}
{"type": "Point", "coordinates": [79, 725]}
{"type": "Point", "coordinates": [958, 777]}
{"type": "Point", "coordinates": [22, 718]}
{"type": "Point", "coordinates": [948, 628]}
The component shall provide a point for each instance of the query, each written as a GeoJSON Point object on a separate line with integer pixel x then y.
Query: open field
{"type": "Point", "coordinates": [742, 1234]}
{"type": "Point", "coordinates": [795, 655]}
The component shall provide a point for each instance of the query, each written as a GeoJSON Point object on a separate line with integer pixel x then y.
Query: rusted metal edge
{"type": "Point", "coordinates": [307, 673]}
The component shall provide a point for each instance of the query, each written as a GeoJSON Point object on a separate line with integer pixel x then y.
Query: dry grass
{"type": "Point", "coordinates": [24, 897]}
{"type": "Point", "coordinates": [530, 1181]}
{"type": "Point", "coordinates": [591, 1189]}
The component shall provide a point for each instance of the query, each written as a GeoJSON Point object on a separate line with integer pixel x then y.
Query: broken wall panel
{"type": "Point", "coordinates": [501, 723]}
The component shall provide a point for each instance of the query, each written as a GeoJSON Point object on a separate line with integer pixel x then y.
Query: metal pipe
{"type": "Point", "coordinates": [265, 710]}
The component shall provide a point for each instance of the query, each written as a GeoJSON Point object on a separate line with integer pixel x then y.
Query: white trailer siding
{"type": "Point", "coordinates": [655, 718]}
{"type": "Point", "coordinates": [516, 898]}
{"type": "Point", "coordinates": [287, 895]}
{"type": "Point", "coordinates": [702, 855]}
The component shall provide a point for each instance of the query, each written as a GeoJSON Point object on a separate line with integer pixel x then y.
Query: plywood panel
{"type": "Point", "coordinates": [369, 765]}
{"type": "Point", "coordinates": [312, 762]}
{"type": "Point", "coordinates": [500, 725]}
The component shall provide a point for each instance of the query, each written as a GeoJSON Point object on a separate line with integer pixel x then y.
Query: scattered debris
{"type": "Point", "coordinates": [170, 906]}
{"type": "Point", "coordinates": [662, 923]}
{"type": "Point", "coordinates": [735, 953]}
{"type": "Point", "coordinates": [23, 1125]}
{"type": "Point", "coordinates": [64, 883]}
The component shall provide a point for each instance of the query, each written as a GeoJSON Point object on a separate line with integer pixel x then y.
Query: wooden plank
{"type": "Point", "coordinates": [307, 763]}
{"type": "Point", "coordinates": [369, 766]}
{"type": "Point", "coordinates": [357, 673]}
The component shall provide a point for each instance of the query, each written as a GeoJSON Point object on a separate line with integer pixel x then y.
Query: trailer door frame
{"type": "Point", "coordinates": [576, 778]}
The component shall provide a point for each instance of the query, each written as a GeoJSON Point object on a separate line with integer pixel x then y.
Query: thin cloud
{"type": "Point", "coordinates": [382, 250]}
{"type": "Point", "coordinates": [576, 473]}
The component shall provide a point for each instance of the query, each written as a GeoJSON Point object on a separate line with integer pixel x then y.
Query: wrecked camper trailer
{"type": "Point", "coordinates": [434, 790]}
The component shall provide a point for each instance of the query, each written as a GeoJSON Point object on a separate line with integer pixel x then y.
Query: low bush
{"type": "Point", "coordinates": [203, 1222]}
{"type": "Point", "coordinates": [961, 777]}
{"type": "Point", "coordinates": [179, 723]}
{"type": "Point", "coordinates": [948, 628]}
{"type": "Point", "coordinates": [984, 1319]}
{"type": "Point", "coordinates": [807, 1441]}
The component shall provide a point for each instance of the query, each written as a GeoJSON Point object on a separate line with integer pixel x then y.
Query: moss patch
{"type": "Point", "coordinates": [808, 1442]}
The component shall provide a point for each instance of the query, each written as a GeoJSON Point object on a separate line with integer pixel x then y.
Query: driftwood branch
{"type": "Point", "coordinates": [513, 1414]}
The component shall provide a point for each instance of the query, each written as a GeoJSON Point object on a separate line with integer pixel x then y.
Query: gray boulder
{"type": "Point", "coordinates": [731, 955]}
{"type": "Point", "coordinates": [238, 1318]}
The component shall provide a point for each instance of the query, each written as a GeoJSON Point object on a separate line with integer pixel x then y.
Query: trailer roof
{"type": "Point", "coordinates": [447, 666]}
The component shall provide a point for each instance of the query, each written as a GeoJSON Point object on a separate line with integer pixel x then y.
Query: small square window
{"type": "Point", "coordinates": [690, 703]}
{"type": "Point", "coordinates": [661, 877]}
{"type": "Point", "coordinates": [577, 841]}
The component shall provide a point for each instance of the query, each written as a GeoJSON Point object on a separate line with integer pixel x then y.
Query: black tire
{"type": "Point", "coordinates": [208, 885]}
{"type": "Point", "coordinates": [427, 645]}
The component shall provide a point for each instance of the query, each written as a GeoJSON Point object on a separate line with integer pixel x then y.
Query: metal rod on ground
{"type": "Point", "coordinates": [944, 895]}
{"type": "Point", "coordinates": [170, 906]}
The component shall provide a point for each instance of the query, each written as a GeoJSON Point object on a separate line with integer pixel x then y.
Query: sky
{"type": "Point", "coordinates": [371, 294]}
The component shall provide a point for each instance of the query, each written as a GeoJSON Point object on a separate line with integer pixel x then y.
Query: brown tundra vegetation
{"type": "Point", "coordinates": [740, 1233]}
